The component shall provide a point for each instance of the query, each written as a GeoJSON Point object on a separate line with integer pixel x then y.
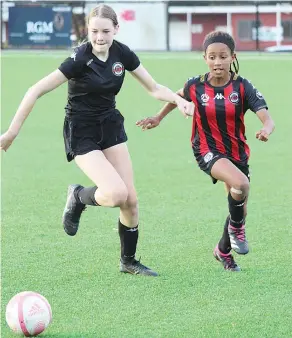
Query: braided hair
{"type": "Point", "coordinates": [227, 39]}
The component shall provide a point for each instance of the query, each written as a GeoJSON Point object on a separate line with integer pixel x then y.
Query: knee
{"type": "Point", "coordinates": [117, 196]}
{"type": "Point", "coordinates": [130, 211]}
{"type": "Point", "coordinates": [131, 204]}
{"type": "Point", "coordinates": [240, 187]}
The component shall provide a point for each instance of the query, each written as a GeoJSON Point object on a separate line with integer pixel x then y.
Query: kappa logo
{"type": "Point", "coordinates": [259, 95]}
{"type": "Point", "coordinates": [118, 69]}
{"type": "Point", "coordinates": [208, 157]}
{"type": "Point", "coordinates": [73, 56]}
{"type": "Point", "coordinates": [89, 62]}
{"type": "Point", "coordinates": [219, 96]}
{"type": "Point", "coordinates": [234, 97]}
{"type": "Point", "coordinates": [132, 229]}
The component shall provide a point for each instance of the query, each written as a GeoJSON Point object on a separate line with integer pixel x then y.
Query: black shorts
{"type": "Point", "coordinates": [81, 137]}
{"type": "Point", "coordinates": [207, 161]}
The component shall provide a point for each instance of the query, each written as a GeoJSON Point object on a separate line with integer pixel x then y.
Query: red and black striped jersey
{"type": "Point", "coordinates": [218, 122]}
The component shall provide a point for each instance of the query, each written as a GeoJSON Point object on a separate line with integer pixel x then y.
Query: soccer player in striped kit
{"type": "Point", "coordinates": [222, 98]}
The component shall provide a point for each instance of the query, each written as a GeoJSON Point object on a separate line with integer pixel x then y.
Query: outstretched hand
{"type": "Point", "coordinates": [187, 108]}
{"type": "Point", "coordinates": [148, 123]}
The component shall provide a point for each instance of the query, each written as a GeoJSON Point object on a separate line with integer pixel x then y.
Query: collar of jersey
{"type": "Point", "coordinates": [95, 58]}
{"type": "Point", "coordinates": [209, 84]}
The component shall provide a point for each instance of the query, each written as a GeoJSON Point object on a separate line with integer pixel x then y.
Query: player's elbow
{"type": "Point", "coordinates": [161, 93]}
{"type": "Point", "coordinates": [154, 90]}
{"type": "Point", "coordinates": [35, 91]}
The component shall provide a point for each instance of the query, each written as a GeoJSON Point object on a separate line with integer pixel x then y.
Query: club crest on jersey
{"type": "Point", "coordinates": [118, 68]}
{"type": "Point", "coordinates": [208, 157]}
{"type": "Point", "coordinates": [205, 98]}
{"type": "Point", "coordinates": [234, 97]}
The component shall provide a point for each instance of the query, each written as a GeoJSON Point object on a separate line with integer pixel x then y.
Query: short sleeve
{"type": "Point", "coordinates": [187, 87]}
{"type": "Point", "coordinates": [71, 67]}
{"type": "Point", "coordinates": [131, 60]}
{"type": "Point", "coordinates": [253, 99]}
{"type": "Point", "coordinates": [187, 92]}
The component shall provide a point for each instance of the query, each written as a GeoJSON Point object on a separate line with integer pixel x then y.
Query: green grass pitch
{"type": "Point", "coordinates": [182, 216]}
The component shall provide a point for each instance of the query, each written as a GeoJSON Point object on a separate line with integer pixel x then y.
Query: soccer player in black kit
{"type": "Point", "coordinates": [218, 140]}
{"type": "Point", "coordinates": [94, 131]}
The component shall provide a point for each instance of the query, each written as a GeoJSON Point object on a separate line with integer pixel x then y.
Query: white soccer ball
{"type": "Point", "coordinates": [28, 313]}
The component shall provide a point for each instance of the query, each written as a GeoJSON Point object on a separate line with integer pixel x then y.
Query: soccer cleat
{"type": "Point", "coordinates": [238, 239]}
{"type": "Point", "coordinates": [134, 267]}
{"type": "Point", "coordinates": [227, 260]}
{"type": "Point", "coordinates": [73, 210]}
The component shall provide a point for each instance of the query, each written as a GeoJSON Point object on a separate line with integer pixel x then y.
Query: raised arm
{"type": "Point", "coordinates": [152, 122]}
{"type": "Point", "coordinates": [161, 92]}
{"type": "Point", "coordinates": [45, 85]}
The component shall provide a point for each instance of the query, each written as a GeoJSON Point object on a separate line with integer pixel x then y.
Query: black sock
{"type": "Point", "coordinates": [86, 196]}
{"type": "Point", "coordinates": [129, 239]}
{"type": "Point", "coordinates": [224, 244]}
{"type": "Point", "coordinates": [236, 209]}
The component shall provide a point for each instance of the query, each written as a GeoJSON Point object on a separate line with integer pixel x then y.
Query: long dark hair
{"type": "Point", "coordinates": [227, 39]}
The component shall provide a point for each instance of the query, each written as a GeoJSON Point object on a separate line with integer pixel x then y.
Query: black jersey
{"type": "Point", "coordinates": [218, 122]}
{"type": "Point", "coordinates": [93, 84]}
